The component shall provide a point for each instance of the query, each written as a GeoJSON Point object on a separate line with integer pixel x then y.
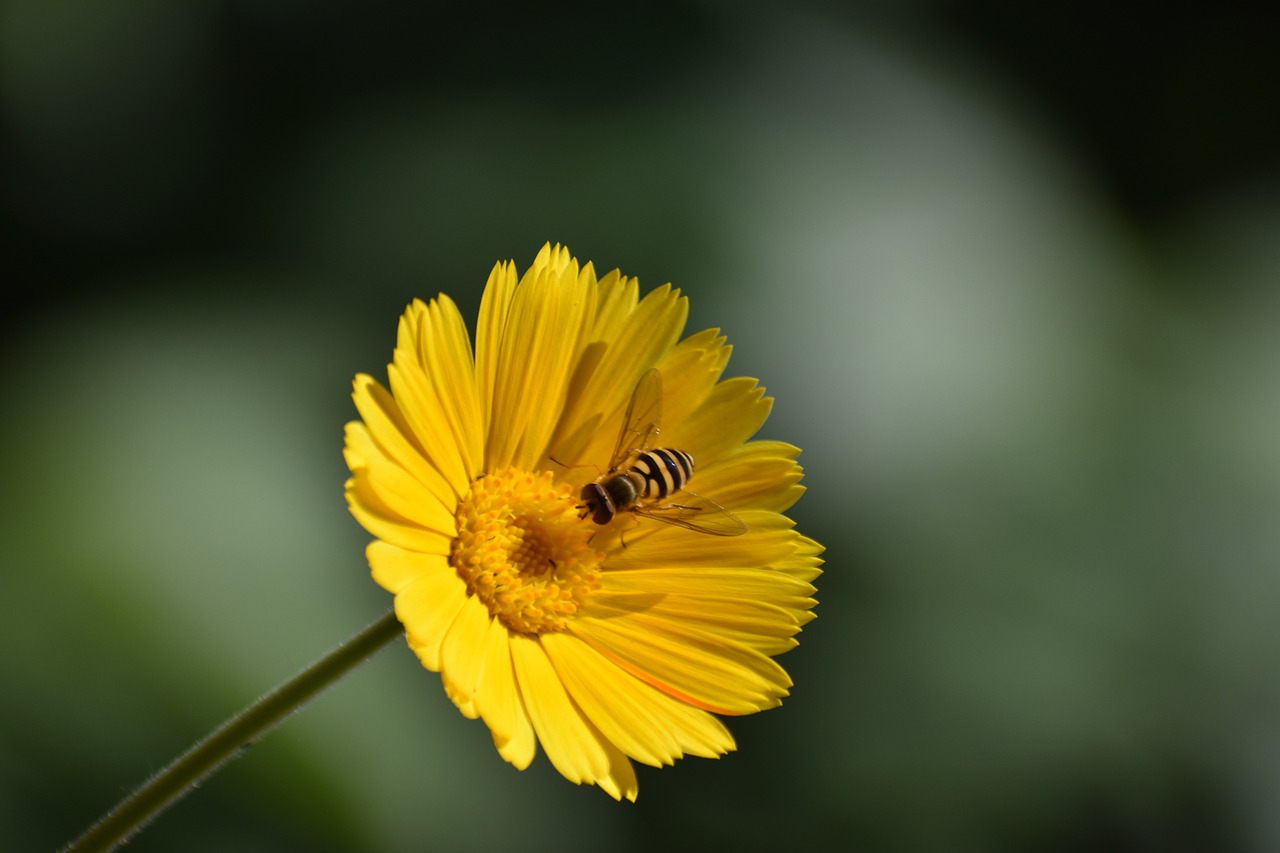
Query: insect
{"type": "Point", "coordinates": [640, 479]}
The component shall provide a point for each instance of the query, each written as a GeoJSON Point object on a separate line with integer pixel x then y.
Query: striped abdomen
{"type": "Point", "coordinates": [663, 471]}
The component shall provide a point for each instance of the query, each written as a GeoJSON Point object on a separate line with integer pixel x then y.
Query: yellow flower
{"type": "Point", "coordinates": [603, 642]}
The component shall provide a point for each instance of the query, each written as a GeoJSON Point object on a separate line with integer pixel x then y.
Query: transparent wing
{"type": "Point", "coordinates": [696, 513]}
{"type": "Point", "coordinates": [642, 421]}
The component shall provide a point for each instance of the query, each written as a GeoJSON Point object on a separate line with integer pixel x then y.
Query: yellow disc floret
{"type": "Point", "coordinates": [524, 551]}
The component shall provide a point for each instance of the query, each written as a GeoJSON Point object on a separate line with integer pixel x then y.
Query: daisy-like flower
{"type": "Point", "coordinates": [604, 642]}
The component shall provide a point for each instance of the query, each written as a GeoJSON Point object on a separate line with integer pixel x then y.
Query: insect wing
{"type": "Point", "coordinates": [642, 420]}
{"type": "Point", "coordinates": [696, 513]}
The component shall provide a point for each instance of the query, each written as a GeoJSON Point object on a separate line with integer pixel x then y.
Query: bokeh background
{"type": "Point", "coordinates": [1011, 273]}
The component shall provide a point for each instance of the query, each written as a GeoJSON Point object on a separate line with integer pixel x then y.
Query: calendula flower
{"type": "Point", "coordinates": [601, 632]}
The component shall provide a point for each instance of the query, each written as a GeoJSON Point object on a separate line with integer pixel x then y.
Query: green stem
{"type": "Point", "coordinates": [228, 740]}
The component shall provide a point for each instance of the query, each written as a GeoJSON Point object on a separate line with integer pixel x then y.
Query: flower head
{"type": "Point", "coordinates": [604, 637]}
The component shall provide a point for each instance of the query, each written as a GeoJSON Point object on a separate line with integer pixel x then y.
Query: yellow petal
{"type": "Point", "coordinates": [620, 781]}
{"type": "Point", "coordinates": [498, 701]}
{"type": "Point", "coordinates": [427, 608]}
{"type": "Point", "coordinates": [806, 564]}
{"type": "Point", "coordinates": [433, 379]}
{"type": "Point", "coordinates": [381, 521]}
{"type": "Point", "coordinates": [395, 438]}
{"type": "Point", "coordinates": [495, 305]}
{"type": "Point", "coordinates": [644, 334]}
{"type": "Point", "coordinates": [758, 474]}
{"type": "Point", "coordinates": [646, 724]}
{"type": "Point", "coordinates": [447, 351]}
{"type": "Point", "coordinates": [766, 627]}
{"type": "Point", "coordinates": [732, 413]}
{"type": "Point", "coordinates": [395, 488]}
{"type": "Point", "coordinates": [705, 670]}
{"type": "Point", "coordinates": [657, 544]}
{"type": "Point", "coordinates": [774, 587]}
{"type": "Point", "coordinates": [618, 297]}
{"type": "Point", "coordinates": [425, 411]}
{"type": "Point", "coordinates": [540, 342]}
{"type": "Point", "coordinates": [652, 329]}
{"type": "Point", "coordinates": [428, 405]}
{"type": "Point", "coordinates": [395, 568]}
{"type": "Point", "coordinates": [462, 654]}
{"type": "Point", "coordinates": [689, 371]}
{"type": "Point", "coordinates": [576, 748]}
{"type": "Point", "coordinates": [611, 698]}
{"type": "Point", "coordinates": [520, 749]}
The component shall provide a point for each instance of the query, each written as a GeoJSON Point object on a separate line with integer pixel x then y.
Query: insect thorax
{"type": "Point", "coordinates": [605, 499]}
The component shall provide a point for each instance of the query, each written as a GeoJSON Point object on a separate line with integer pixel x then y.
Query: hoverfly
{"type": "Point", "coordinates": [640, 480]}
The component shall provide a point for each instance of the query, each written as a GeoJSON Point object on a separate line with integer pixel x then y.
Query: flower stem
{"type": "Point", "coordinates": [229, 740]}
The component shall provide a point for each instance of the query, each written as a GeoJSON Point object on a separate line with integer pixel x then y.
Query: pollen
{"type": "Point", "coordinates": [523, 550]}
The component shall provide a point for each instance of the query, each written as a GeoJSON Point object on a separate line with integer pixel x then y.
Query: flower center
{"type": "Point", "coordinates": [524, 551]}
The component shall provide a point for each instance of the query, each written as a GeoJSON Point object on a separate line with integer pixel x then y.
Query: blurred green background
{"type": "Point", "coordinates": [1010, 272]}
